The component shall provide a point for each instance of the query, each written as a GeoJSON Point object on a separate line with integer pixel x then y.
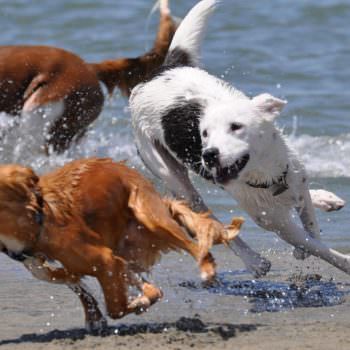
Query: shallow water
{"type": "Point", "coordinates": [297, 50]}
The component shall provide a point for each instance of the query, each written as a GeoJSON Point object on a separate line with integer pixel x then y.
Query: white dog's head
{"type": "Point", "coordinates": [236, 133]}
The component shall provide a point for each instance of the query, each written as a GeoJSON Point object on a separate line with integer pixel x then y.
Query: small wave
{"type": "Point", "coordinates": [323, 156]}
{"type": "Point", "coordinates": [108, 137]}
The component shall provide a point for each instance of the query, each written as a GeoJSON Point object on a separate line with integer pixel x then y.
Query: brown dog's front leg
{"type": "Point", "coordinates": [40, 269]}
{"type": "Point", "coordinates": [94, 320]}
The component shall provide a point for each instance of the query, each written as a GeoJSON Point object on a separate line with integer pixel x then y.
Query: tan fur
{"type": "Point", "coordinates": [104, 220]}
{"type": "Point", "coordinates": [35, 76]}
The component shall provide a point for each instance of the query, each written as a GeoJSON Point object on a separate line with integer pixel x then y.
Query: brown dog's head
{"type": "Point", "coordinates": [19, 204]}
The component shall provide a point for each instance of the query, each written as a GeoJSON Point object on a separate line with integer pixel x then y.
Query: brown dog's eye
{"type": "Point", "coordinates": [235, 127]}
{"type": "Point", "coordinates": [205, 133]}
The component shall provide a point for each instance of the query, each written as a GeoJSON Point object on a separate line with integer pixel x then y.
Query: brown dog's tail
{"type": "Point", "coordinates": [126, 73]}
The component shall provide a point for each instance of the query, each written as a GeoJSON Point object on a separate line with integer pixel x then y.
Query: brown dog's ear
{"type": "Point", "coordinates": [18, 184]}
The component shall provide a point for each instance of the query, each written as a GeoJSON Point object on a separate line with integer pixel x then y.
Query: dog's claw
{"type": "Point", "coordinates": [300, 253]}
{"type": "Point", "coordinates": [261, 268]}
{"type": "Point", "coordinates": [96, 327]}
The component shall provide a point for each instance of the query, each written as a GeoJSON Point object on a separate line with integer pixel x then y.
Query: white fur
{"type": "Point", "coordinates": [270, 155]}
{"type": "Point", "coordinates": [189, 35]}
{"type": "Point", "coordinates": [11, 244]}
{"type": "Point", "coordinates": [164, 7]}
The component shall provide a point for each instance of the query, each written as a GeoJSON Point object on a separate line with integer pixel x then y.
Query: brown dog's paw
{"type": "Point", "coordinates": [208, 268]}
{"type": "Point", "coordinates": [139, 305]}
{"type": "Point", "coordinates": [151, 292]}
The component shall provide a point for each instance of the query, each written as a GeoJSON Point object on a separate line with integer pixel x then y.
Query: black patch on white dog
{"type": "Point", "coordinates": [182, 135]}
{"type": "Point", "coordinates": [178, 58]}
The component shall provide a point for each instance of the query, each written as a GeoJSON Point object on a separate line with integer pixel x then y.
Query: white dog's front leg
{"type": "Point", "coordinates": [255, 263]}
{"type": "Point", "coordinates": [309, 221]}
{"type": "Point", "coordinates": [182, 187]}
{"type": "Point", "coordinates": [173, 174]}
{"type": "Point", "coordinates": [288, 230]}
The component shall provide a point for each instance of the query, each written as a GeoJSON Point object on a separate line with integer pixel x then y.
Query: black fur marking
{"type": "Point", "coordinates": [182, 136]}
{"type": "Point", "coordinates": [177, 58]}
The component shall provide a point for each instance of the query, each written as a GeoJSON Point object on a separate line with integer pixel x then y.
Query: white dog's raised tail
{"type": "Point", "coordinates": [189, 36]}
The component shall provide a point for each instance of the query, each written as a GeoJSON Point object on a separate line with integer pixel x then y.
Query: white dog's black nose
{"type": "Point", "coordinates": [211, 157]}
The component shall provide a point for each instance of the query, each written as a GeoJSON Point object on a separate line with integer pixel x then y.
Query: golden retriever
{"type": "Point", "coordinates": [103, 219]}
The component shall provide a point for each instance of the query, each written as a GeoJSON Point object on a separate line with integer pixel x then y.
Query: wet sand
{"type": "Point", "coordinates": [286, 310]}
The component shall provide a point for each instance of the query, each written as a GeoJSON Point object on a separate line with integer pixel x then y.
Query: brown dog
{"type": "Point", "coordinates": [102, 219]}
{"type": "Point", "coordinates": [62, 92]}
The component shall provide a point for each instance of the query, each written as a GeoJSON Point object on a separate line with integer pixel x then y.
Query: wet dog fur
{"type": "Point", "coordinates": [102, 219]}
{"type": "Point", "coordinates": [186, 119]}
{"type": "Point", "coordinates": [58, 95]}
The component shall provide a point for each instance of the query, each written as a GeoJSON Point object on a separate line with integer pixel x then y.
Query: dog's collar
{"type": "Point", "coordinates": [277, 186]}
{"type": "Point", "coordinates": [39, 214]}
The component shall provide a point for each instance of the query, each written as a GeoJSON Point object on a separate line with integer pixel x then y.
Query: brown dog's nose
{"type": "Point", "coordinates": [211, 157]}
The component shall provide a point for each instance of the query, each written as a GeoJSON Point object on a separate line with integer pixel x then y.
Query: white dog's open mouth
{"type": "Point", "coordinates": [223, 175]}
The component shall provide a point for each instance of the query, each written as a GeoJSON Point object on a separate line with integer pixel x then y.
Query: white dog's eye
{"type": "Point", "coordinates": [205, 133]}
{"type": "Point", "coordinates": [235, 126]}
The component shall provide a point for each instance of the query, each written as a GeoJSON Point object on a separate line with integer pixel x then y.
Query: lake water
{"type": "Point", "coordinates": [298, 50]}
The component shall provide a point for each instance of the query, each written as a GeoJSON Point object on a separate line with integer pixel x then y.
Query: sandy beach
{"type": "Point", "coordinates": [296, 50]}
{"type": "Point", "coordinates": [293, 308]}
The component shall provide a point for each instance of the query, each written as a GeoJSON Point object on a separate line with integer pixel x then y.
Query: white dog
{"type": "Point", "coordinates": [185, 118]}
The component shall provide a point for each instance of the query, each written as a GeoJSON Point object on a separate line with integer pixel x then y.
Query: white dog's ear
{"type": "Point", "coordinates": [270, 106]}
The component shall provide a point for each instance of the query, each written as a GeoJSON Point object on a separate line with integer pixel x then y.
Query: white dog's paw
{"type": "Point", "coordinates": [259, 267]}
{"type": "Point", "coordinates": [97, 326]}
{"type": "Point", "coordinates": [300, 253]}
{"type": "Point", "coordinates": [326, 201]}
